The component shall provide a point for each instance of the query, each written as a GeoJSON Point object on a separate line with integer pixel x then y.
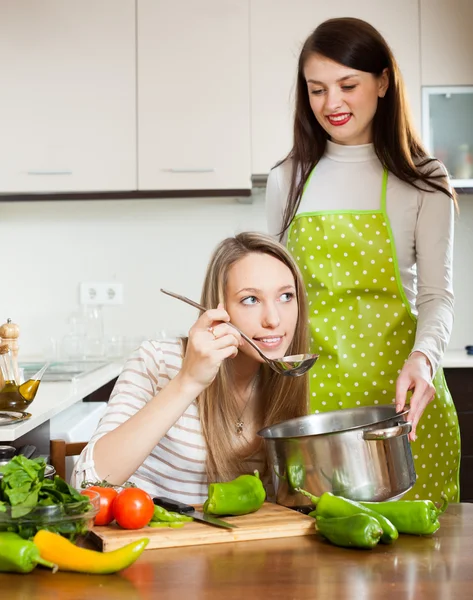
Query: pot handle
{"type": "Point", "coordinates": [390, 432]}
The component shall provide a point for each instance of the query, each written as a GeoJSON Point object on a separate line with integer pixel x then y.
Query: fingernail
{"type": "Point", "coordinates": [398, 408]}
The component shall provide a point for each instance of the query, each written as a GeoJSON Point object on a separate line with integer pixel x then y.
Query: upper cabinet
{"type": "Point", "coordinates": [68, 115]}
{"type": "Point", "coordinates": [193, 95]}
{"type": "Point", "coordinates": [278, 30]}
{"type": "Point", "coordinates": [125, 95]}
{"type": "Point", "coordinates": [446, 42]}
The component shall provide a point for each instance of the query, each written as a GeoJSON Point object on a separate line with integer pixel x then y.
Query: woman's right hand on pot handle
{"type": "Point", "coordinates": [416, 375]}
{"type": "Point", "coordinates": [210, 342]}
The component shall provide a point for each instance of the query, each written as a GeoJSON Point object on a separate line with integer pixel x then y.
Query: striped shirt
{"type": "Point", "coordinates": [176, 466]}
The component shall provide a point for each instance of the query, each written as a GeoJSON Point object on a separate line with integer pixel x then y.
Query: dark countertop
{"type": "Point", "coordinates": [437, 567]}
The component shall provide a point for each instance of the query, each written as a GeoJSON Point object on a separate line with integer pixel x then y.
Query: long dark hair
{"type": "Point", "coordinates": [356, 44]}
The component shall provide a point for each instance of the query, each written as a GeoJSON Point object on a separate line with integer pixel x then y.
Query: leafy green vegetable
{"type": "Point", "coordinates": [24, 489]}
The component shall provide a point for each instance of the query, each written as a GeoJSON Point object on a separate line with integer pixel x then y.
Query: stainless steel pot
{"type": "Point", "coordinates": [360, 453]}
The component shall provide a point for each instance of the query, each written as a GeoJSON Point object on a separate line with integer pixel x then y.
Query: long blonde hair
{"type": "Point", "coordinates": [281, 397]}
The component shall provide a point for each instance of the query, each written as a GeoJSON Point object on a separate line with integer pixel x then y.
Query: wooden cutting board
{"type": "Point", "coordinates": [270, 521]}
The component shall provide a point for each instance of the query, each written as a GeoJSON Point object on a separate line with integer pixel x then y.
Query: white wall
{"type": "Point", "coordinates": [49, 247]}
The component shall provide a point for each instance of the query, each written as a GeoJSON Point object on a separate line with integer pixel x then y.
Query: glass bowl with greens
{"type": "Point", "coordinates": [30, 502]}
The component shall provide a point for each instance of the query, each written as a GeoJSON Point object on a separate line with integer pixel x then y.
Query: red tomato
{"type": "Point", "coordinates": [107, 498]}
{"type": "Point", "coordinates": [133, 508]}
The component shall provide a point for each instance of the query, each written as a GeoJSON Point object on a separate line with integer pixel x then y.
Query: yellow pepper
{"type": "Point", "coordinates": [68, 557]}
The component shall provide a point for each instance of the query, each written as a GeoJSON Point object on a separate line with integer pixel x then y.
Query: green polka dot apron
{"type": "Point", "coordinates": [362, 327]}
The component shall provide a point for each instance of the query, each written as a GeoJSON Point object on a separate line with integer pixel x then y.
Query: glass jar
{"type": "Point", "coordinates": [13, 395]}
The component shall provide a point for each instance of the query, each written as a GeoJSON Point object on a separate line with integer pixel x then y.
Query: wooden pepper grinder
{"type": "Point", "coordinates": [9, 333]}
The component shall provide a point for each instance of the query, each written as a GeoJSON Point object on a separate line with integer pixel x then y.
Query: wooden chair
{"type": "Point", "coordinates": [59, 449]}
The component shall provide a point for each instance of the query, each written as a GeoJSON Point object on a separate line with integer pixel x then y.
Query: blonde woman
{"type": "Point", "coordinates": [186, 412]}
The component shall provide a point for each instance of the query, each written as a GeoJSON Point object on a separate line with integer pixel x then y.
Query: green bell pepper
{"type": "Point", "coordinates": [417, 517]}
{"type": "Point", "coordinates": [328, 505]}
{"type": "Point", "coordinates": [20, 556]}
{"type": "Point", "coordinates": [243, 495]}
{"type": "Point", "coordinates": [355, 531]}
{"type": "Point", "coordinates": [295, 468]}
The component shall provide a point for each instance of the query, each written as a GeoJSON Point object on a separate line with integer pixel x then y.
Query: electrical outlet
{"type": "Point", "coordinates": [99, 292]}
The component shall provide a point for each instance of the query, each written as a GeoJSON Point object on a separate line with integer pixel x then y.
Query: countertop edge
{"type": "Point", "coordinates": [457, 359]}
{"type": "Point", "coordinates": [55, 397]}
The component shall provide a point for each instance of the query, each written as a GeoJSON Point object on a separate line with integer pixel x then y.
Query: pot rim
{"type": "Point", "coordinates": [307, 435]}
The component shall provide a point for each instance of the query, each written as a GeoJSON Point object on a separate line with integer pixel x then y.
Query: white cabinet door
{"type": "Point", "coordinates": [446, 42]}
{"type": "Point", "coordinates": [67, 100]}
{"type": "Point", "coordinates": [278, 30]}
{"type": "Point", "coordinates": [193, 95]}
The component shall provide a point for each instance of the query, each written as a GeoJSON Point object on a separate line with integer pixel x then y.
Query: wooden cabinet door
{"type": "Point", "coordinates": [67, 102]}
{"type": "Point", "coordinates": [193, 95]}
{"type": "Point", "coordinates": [278, 30]}
{"type": "Point", "coordinates": [446, 42]}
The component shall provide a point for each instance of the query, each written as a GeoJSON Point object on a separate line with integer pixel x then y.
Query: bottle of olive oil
{"type": "Point", "coordinates": [12, 395]}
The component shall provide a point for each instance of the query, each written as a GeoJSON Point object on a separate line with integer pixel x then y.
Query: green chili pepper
{"type": "Point", "coordinates": [243, 495]}
{"type": "Point", "coordinates": [340, 482]}
{"type": "Point", "coordinates": [417, 517]}
{"type": "Point", "coordinates": [161, 515]}
{"type": "Point", "coordinates": [328, 505]}
{"type": "Point", "coordinates": [341, 485]}
{"type": "Point", "coordinates": [355, 531]}
{"type": "Point", "coordinates": [20, 556]}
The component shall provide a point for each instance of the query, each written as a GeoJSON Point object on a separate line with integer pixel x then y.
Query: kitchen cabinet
{"type": "Point", "coordinates": [193, 95]}
{"type": "Point", "coordinates": [460, 384]}
{"type": "Point", "coordinates": [446, 42]}
{"type": "Point", "coordinates": [67, 107]}
{"type": "Point", "coordinates": [278, 30]}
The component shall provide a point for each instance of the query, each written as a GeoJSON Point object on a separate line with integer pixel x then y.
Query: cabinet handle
{"type": "Point", "coordinates": [49, 172]}
{"type": "Point", "coordinates": [202, 170]}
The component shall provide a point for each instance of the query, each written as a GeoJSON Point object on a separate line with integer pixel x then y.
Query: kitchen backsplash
{"type": "Point", "coordinates": [50, 247]}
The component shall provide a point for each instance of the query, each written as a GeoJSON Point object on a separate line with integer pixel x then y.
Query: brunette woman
{"type": "Point", "coordinates": [368, 216]}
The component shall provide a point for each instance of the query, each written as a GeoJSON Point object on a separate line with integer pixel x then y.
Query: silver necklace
{"type": "Point", "coordinates": [239, 424]}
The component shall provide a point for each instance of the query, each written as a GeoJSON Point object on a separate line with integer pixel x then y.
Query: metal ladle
{"type": "Point", "coordinates": [287, 365]}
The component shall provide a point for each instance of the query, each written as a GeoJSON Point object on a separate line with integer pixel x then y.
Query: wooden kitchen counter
{"type": "Point", "coordinates": [437, 567]}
